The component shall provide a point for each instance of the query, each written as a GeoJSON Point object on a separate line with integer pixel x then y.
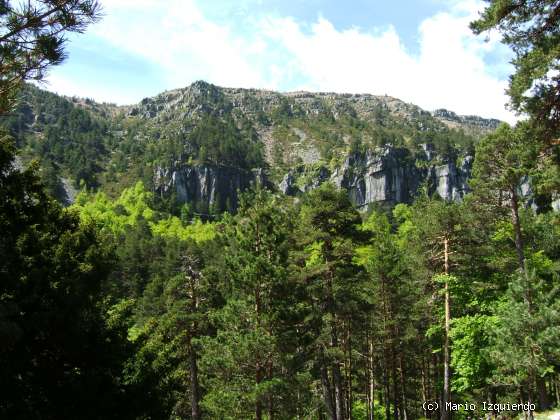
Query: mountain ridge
{"type": "Point", "coordinates": [201, 143]}
{"type": "Point", "coordinates": [396, 105]}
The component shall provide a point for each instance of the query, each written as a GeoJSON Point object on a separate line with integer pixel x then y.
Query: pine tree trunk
{"type": "Point", "coordinates": [269, 397]}
{"type": "Point", "coordinates": [327, 390]}
{"type": "Point", "coordinates": [338, 390]}
{"type": "Point", "coordinates": [348, 402]}
{"type": "Point", "coordinates": [446, 357]}
{"type": "Point", "coordinates": [195, 387]}
{"type": "Point", "coordinates": [493, 398]}
{"type": "Point", "coordinates": [386, 389]}
{"type": "Point", "coordinates": [385, 350]}
{"type": "Point", "coordinates": [514, 204]}
{"type": "Point", "coordinates": [403, 388]}
{"type": "Point", "coordinates": [543, 394]}
{"type": "Point", "coordinates": [258, 363]}
{"type": "Point", "coordinates": [424, 374]}
{"type": "Point", "coordinates": [529, 401]}
{"type": "Point", "coordinates": [396, 402]}
{"type": "Point", "coordinates": [193, 277]}
{"type": "Point", "coordinates": [336, 374]}
{"type": "Point", "coordinates": [393, 334]}
{"type": "Point", "coordinates": [437, 391]}
{"type": "Point", "coordinates": [258, 379]}
{"type": "Point", "coordinates": [371, 380]}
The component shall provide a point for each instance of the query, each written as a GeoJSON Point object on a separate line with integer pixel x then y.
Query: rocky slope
{"type": "Point", "coordinates": [202, 144]}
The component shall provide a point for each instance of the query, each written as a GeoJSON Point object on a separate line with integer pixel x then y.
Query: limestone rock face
{"type": "Point", "coordinates": [382, 176]}
{"type": "Point", "coordinates": [451, 181]}
{"type": "Point", "coordinates": [385, 176]}
{"type": "Point", "coordinates": [303, 139]}
{"type": "Point", "coordinates": [469, 123]}
{"type": "Point", "coordinates": [69, 192]}
{"type": "Point", "coordinates": [206, 186]}
{"type": "Point", "coordinates": [288, 184]}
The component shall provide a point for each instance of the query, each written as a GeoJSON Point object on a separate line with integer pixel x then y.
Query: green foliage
{"type": "Point", "coordinates": [62, 134]}
{"type": "Point", "coordinates": [173, 227]}
{"type": "Point", "coordinates": [243, 362]}
{"type": "Point", "coordinates": [116, 216]}
{"type": "Point", "coordinates": [334, 285]}
{"type": "Point", "coordinates": [118, 308]}
{"type": "Point", "coordinates": [32, 39]}
{"type": "Point", "coordinates": [57, 354]}
{"type": "Point", "coordinates": [110, 150]}
{"type": "Point", "coordinates": [471, 337]}
{"type": "Point", "coordinates": [531, 29]}
{"type": "Point", "coordinates": [231, 359]}
{"type": "Point", "coordinates": [280, 308]}
{"type": "Point", "coordinates": [282, 112]}
{"type": "Point", "coordinates": [524, 341]}
{"type": "Point", "coordinates": [285, 309]}
{"type": "Point", "coordinates": [504, 158]}
{"type": "Point", "coordinates": [360, 411]}
{"type": "Point", "coordinates": [219, 141]}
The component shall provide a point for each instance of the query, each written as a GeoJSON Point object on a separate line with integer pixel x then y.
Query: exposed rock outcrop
{"type": "Point", "coordinates": [206, 187]}
{"type": "Point", "coordinates": [469, 123]}
{"type": "Point", "coordinates": [385, 176]}
{"type": "Point", "coordinates": [451, 180]}
{"type": "Point", "coordinates": [69, 192]}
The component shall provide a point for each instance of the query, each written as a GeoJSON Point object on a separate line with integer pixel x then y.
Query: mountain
{"type": "Point", "coordinates": [201, 144]}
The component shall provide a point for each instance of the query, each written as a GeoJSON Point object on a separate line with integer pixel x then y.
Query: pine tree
{"type": "Point", "coordinates": [32, 39]}
{"type": "Point", "coordinates": [241, 362]}
{"type": "Point", "coordinates": [328, 233]}
{"type": "Point", "coordinates": [442, 234]}
{"type": "Point", "coordinates": [504, 160]}
{"type": "Point", "coordinates": [532, 30]}
{"type": "Point", "coordinates": [393, 332]}
{"type": "Point", "coordinates": [57, 355]}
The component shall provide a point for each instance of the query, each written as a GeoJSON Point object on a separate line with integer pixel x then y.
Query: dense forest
{"type": "Point", "coordinates": [125, 304]}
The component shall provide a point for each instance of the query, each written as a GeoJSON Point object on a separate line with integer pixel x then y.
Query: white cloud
{"type": "Point", "coordinates": [280, 53]}
{"type": "Point", "coordinates": [448, 72]}
{"type": "Point", "coordinates": [182, 41]}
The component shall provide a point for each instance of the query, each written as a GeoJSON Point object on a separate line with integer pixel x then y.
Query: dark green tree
{"type": "Point", "coordinates": [532, 30]}
{"type": "Point", "coordinates": [504, 159]}
{"type": "Point", "coordinates": [524, 338]}
{"type": "Point", "coordinates": [439, 224]}
{"type": "Point", "coordinates": [335, 291]}
{"type": "Point", "coordinates": [58, 356]}
{"type": "Point", "coordinates": [393, 335]}
{"type": "Point", "coordinates": [242, 363]}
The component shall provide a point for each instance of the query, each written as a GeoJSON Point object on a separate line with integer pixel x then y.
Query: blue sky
{"type": "Point", "coordinates": [420, 51]}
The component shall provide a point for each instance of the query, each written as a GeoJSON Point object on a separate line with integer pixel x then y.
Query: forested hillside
{"type": "Point", "coordinates": [220, 253]}
{"type": "Point", "coordinates": [199, 145]}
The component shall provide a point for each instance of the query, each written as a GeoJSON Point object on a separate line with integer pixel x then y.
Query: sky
{"type": "Point", "coordinates": [420, 51]}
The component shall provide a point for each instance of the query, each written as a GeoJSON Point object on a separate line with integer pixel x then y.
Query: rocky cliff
{"type": "Point", "coordinates": [208, 188]}
{"type": "Point", "coordinates": [384, 176]}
